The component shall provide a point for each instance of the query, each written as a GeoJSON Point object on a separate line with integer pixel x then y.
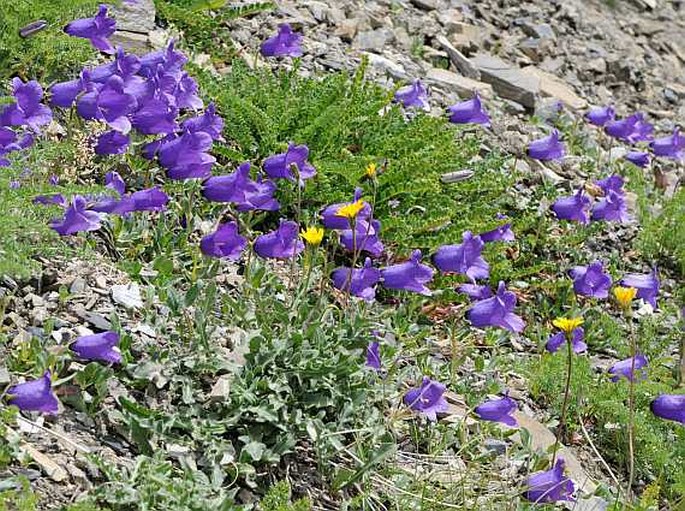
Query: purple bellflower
{"type": "Point", "coordinates": [109, 103]}
{"type": "Point", "coordinates": [156, 117]}
{"type": "Point", "coordinates": [187, 156]}
{"type": "Point", "coordinates": [9, 143]}
{"type": "Point", "coordinates": [410, 275]}
{"type": "Point", "coordinates": [283, 243]}
{"type": "Point", "coordinates": [631, 129]}
{"type": "Point", "coordinates": [591, 281]}
{"type": "Point", "coordinates": [112, 142]}
{"type": "Point", "coordinates": [239, 189]}
{"type": "Point", "coordinates": [96, 29]}
{"type": "Point", "coordinates": [498, 410]}
{"type": "Point", "coordinates": [601, 115]}
{"type": "Point", "coordinates": [64, 94]}
{"type": "Point", "coordinates": [373, 356]}
{"type": "Point", "coordinates": [611, 208]}
{"type": "Point", "coordinates": [672, 146]}
{"type": "Point", "coordinates": [331, 219]}
{"type": "Point", "coordinates": [470, 111]}
{"type": "Point", "coordinates": [613, 183]}
{"type": "Point", "coordinates": [624, 368]}
{"type": "Point", "coordinates": [224, 242]}
{"type": "Point", "coordinates": [34, 396]}
{"type": "Point", "coordinates": [285, 43]}
{"type": "Point", "coordinates": [638, 158]}
{"type": "Point", "coordinates": [102, 347]}
{"type": "Point", "coordinates": [577, 341]}
{"type": "Point", "coordinates": [413, 96]}
{"type": "Point", "coordinates": [113, 181]}
{"type": "Point", "coordinates": [365, 239]}
{"type": "Point", "coordinates": [209, 122]}
{"type": "Point", "coordinates": [497, 311]}
{"type": "Point", "coordinates": [500, 233]}
{"type": "Point", "coordinates": [550, 486]}
{"type": "Point", "coordinates": [475, 291]}
{"type": "Point", "coordinates": [362, 282]}
{"type": "Point", "coordinates": [670, 407]}
{"type": "Point", "coordinates": [575, 208]}
{"type": "Point", "coordinates": [125, 65]}
{"type": "Point", "coordinates": [76, 218]}
{"type": "Point", "coordinates": [647, 285]}
{"type": "Point", "coordinates": [171, 60]}
{"type": "Point", "coordinates": [27, 109]}
{"type": "Point", "coordinates": [281, 166]}
{"type": "Point", "coordinates": [464, 258]}
{"type": "Point", "coordinates": [547, 148]}
{"type": "Point", "coordinates": [427, 399]}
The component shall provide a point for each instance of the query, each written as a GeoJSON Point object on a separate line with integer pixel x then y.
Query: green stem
{"type": "Point", "coordinates": [631, 415]}
{"type": "Point", "coordinates": [567, 392]}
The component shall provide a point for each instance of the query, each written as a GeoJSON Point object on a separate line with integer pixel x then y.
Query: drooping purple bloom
{"type": "Point", "coordinates": [186, 93]}
{"type": "Point", "coordinates": [373, 356]}
{"type": "Point", "coordinates": [413, 96]}
{"type": "Point", "coordinates": [109, 103]}
{"type": "Point", "coordinates": [427, 399]}
{"type": "Point", "coordinates": [361, 283]}
{"type": "Point", "coordinates": [239, 189]}
{"type": "Point", "coordinates": [283, 243]}
{"type": "Point", "coordinates": [209, 122]}
{"type": "Point", "coordinates": [591, 280]}
{"type": "Point", "coordinates": [639, 158]}
{"type": "Point", "coordinates": [464, 258]}
{"type": "Point", "coordinates": [575, 208]}
{"type": "Point", "coordinates": [611, 208]}
{"type": "Point", "coordinates": [171, 60]}
{"type": "Point", "coordinates": [672, 146]}
{"type": "Point", "coordinates": [27, 109]}
{"type": "Point", "coordinates": [76, 218]}
{"type": "Point", "coordinates": [112, 142]}
{"type": "Point", "coordinates": [63, 94]}
{"type": "Point", "coordinates": [56, 199]}
{"type": "Point", "coordinates": [125, 65]}
{"type": "Point", "coordinates": [114, 182]}
{"type": "Point", "coordinates": [224, 242]}
{"type": "Point", "coordinates": [577, 341]}
{"type": "Point", "coordinates": [365, 239]}
{"type": "Point", "coordinates": [150, 199]}
{"type": "Point", "coordinates": [475, 291]}
{"type": "Point", "coordinates": [631, 129]}
{"type": "Point", "coordinates": [285, 43]}
{"type": "Point", "coordinates": [157, 116]}
{"type": "Point", "coordinates": [102, 347]}
{"type": "Point", "coordinates": [547, 148]}
{"type": "Point", "coordinates": [410, 275]}
{"type": "Point", "coordinates": [624, 368]}
{"type": "Point", "coordinates": [500, 233]}
{"type": "Point", "coordinates": [187, 156]}
{"type": "Point", "coordinates": [498, 410]}
{"type": "Point", "coordinates": [497, 311]}
{"type": "Point", "coordinates": [331, 219]}
{"type": "Point", "coordinates": [647, 285]}
{"type": "Point", "coordinates": [670, 407]}
{"type": "Point", "coordinates": [96, 29]}
{"type": "Point", "coordinates": [613, 183]}
{"type": "Point", "coordinates": [34, 396]}
{"type": "Point", "coordinates": [470, 111]}
{"type": "Point", "coordinates": [601, 115]}
{"type": "Point", "coordinates": [550, 486]}
{"type": "Point", "coordinates": [281, 166]}
{"type": "Point", "coordinates": [9, 143]}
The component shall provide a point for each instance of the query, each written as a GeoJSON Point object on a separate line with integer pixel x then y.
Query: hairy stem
{"type": "Point", "coordinates": [567, 392]}
{"type": "Point", "coordinates": [631, 415]}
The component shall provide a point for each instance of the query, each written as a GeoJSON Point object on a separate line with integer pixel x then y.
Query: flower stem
{"type": "Point", "coordinates": [631, 415]}
{"type": "Point", "coordinates": [567, 392]}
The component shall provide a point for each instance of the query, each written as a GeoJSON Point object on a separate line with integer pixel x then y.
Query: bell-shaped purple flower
{"type": "Point", "coordinates": [9, 142]}
{"type": "Point", "coordinates": [470, 111]}
{"type": "Point", "coordinates": [464, 258]}
{"type": "Point", "coordinates": [365, 239]}
{"type": "Point", "coordinates": [672, 146]}
{"type": "Point", "coordinates": [624, 368]}
{"type": "Point", "coordinates": [427, 399]}
{"type": "Point", "coordinates": [64, 94]}
{"type": "Point", "coordinates": [475, 291]}
{"type": "Point", "coordinates": [102, 347]}
{"type": "Point", "coordinates": [611, 208]}
{"type": "Point", "coordinates": [209, 122]}
{"type": "Point", "coordinates": [500, 233]}
{"type": "Point", "coordinates": [575, 208]}
{"type": "Point", "coordinates": [362, 282]}
{"type": "Point", "coordinates": [27, 109]}
{"type": "Point", "coordinates": [550, 486]}
{"type": "Point", "coordinates": [224, 242]}
{"type": "Point", "coordinates": [76, 218]}
{"type": "Point", "coordinates": [187, 156]}
{"type": "Point", "coordinates": [114, 182]}
{"type": "Point", "coordinates": [109, 103]}
{"type": "Point", "coordinates": [283, 243]}
{"type": "Point", "coordinates": [186, 93]}
{"type": "Point", "coordinates": [373, 356]}
{"type": "Point", "coordinates": [591, 281]}
{"type": "Point", "coordinates": [638, 158]}
{"type": "Point", "coordinates": [96, 29]}
{"type": "Point", "coordinates": [156, 116]}
{"type": "Point", "coordinates": [112, 142]}
{"type": "Point", "coordinates": [410, 275]}
{"type": "Point", "coordinates": [169, 58]}
{"type": "Point", "coordinates": [125, 65]}
{"type": "Point", "coordinates": [547, 148]}
{"type": "Point", "coordinates": [413, 96]}
{"type": "Point", "coordinates": [577, 341]}
{"type": "Point", "coordinates": [631, 129]}
{"type": "Point", "coordinates": [281, 166]}
{"type": "Point", "coordinates": [151, 199]}
{"type": "Point", "coordinates": [647, 285]}
{"type": "Point", "coordinates": [670, 407]}
{"type": "Point", "coordinates": [285, 43]}
{"type": "Point", "coordinates": [613, 183]}
{"type": "Point", "coordinates": [497, 311]}
{"type": "Point", "coordinates": [331, 219]}
{"type": "Point", "coordinates": [601, 115]}
{"type": "Point", "coordinates": [34, 396]}
{"type": "Point", "coordinates": [498, 410]}
{"type": "Point", "coordinates": [239, 189]}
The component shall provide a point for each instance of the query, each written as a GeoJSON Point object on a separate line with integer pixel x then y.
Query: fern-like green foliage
{"type": "Point", "coordinates": [278, 498]}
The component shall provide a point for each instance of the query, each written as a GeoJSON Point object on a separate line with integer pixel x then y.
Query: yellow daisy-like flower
{"type": "Point", "coordinates": [350, 210]}
{"type": "Point", "coordinates": [313, 235]}
{"type": "Point", "coordinates": [568, 325]}
{"type": "Point", "coordinates": [625, 295]}
{"type": "Point", "coordinates": [371, 170]}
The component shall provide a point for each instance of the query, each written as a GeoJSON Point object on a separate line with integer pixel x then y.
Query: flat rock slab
{"type": "Point", "coordinates": [553, 87]}
{"type": "Point", "coordinates": [508, 81]}
{"type": "Point", "coordinates": [135, 16]}
{"type": "Point", "coordinates": [464, 87]}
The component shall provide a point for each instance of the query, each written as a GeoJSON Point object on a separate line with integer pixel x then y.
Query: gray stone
{"type": "Point", "coordinates": [456, 176]}
{"type": "Point", "coordinates": [138, 16]}
{"type": "Point", "coordinates": [127, 295]}
{"type": "Point", "coordinates": [78, 285]}
{"type": "Point", "coordinates": [538, 30]}
{"type": "Point", "coordinates": [496, 446]}
{"type": "Point", "coordinates": [388, 66]}
{"type": "Point", "coordinates": [426, 5]}
{"type": "Point", "coordinates": [460, 61]}
{"type": "Point", "coordinates": [463, 86]}
{"type": "Point", "coordinates": [133, 42]}
{"type": "Point", "coordinates": [372, 40]}
{"type": "Point", "coordinates": [507, 81]}
{"type": "Point", "coordinates": [553, 87]}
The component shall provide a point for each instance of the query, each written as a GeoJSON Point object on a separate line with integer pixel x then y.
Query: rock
{"type": "Point", "coordinates": [534, 49]}
{"type": "Point", "coordinates": [507, 81]}
{"type": "Point", "coordinates": [464, 87]}
{"type": "Point", "coordinates": [387, 65]}
{"type": "Point", "coordinates": [551, 86]}
{"type": "Point", "coordinates": [456, 176]}
{"type": "Point", "coordinates": [127, 295]}
{"type": "Point", "coordinates": [373, 40]}
{"type": "Point", "coordinates": [4, 375]}
{"type": "Point", "coordinates": [538, 30]}
{"type": "Point", "coordinates": [78, 285]}
{"type": "Point", "coordinates": [426, 5]}
{"type": "Point", "coordinates": [133, 42]}
{"type": "Point", "coordinates": [463, 64]}
{"type": "Point", "coordinates": [221, 388]}
{"type": "Point", "coordinates": [46, 464]}
{"type": "Point", "coordinates": [496, 446]}
{"type": "Point", "coordinates": [138, 16]}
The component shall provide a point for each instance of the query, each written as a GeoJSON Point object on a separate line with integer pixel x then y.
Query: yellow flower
{"type": "Point", "coordinates": [371, 170]}
{"type": "Point", "coordinates": [625, 295]}
{"type": "Point", "coordinates": [568, 325]}
{"type": "Point", "coordinates": [313, 235]}
{"type": "Point", "coordinates": [350, 210]}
